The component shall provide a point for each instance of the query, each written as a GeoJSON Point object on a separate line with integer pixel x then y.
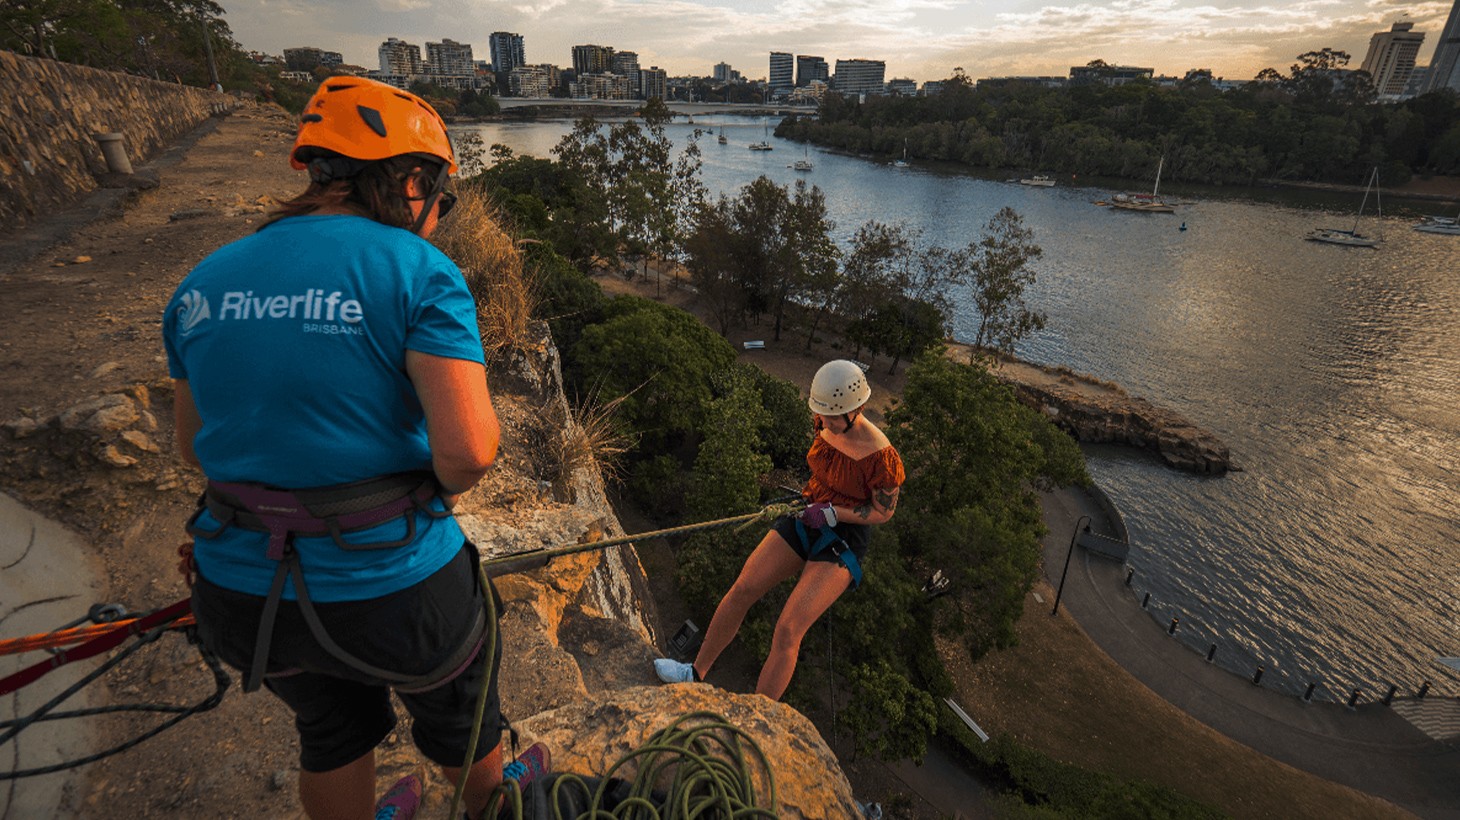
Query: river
{"type": "Point", "coordinates": [1332, 373]}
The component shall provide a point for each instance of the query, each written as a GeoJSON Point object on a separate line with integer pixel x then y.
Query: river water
{"type": "Point", "coordinates": [1332, 373]}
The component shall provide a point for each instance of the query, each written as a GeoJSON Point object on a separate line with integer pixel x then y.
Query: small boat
{"type": "Point", "coordinates": [902, 163]}
{"type": "Point", "coordinates": [803, 164]}
{"type": "Point", "coordinates": [1039, 181]}
{"type": "Point", "coordinates": [1447, 225]}
{"type": "Point", "coordinates": [1352, 238]}
{"type": "Point", "coordinates": [721, 139]}
{"type": "Point", "coordinates": [1145, 203]}
{"type": "Point", "coordinates": [763, 145]}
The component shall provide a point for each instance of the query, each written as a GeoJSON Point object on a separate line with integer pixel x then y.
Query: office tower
{"type": "Point", "coordinates": [507, 51]}
{"type": "Point", "coordinates": [399, 57]}
{"type": "Point", "coordinates": [782, 68]}
{"type": "Point", "coordinates": [722, 72]}
{"type": "Point", "coordinates": [655, 82]}
{"type": "Point", "coordinates": [1445, 65]}
{"type": "Point", "coordinates": [1390, 60]}
{"type": "Point", "coordinates": [626, 64]}
{"type": "Point", "coordinates": [855, 77]}
{"type": "Point", "coordinates": [449, 58]}
{"type": "Point", "coordinates": [810, 68]}
{"type": "Point", "coordinates": [591, 59]}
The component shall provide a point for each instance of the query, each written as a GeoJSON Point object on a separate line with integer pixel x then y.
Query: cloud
{"type": "Point", "coordinates": [919, 38]}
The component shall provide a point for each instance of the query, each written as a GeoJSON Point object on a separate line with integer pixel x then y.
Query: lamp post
{"type": "Point", "coordinates": [1085, 519]}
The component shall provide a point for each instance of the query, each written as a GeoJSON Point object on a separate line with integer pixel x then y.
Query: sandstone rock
{"type": "Point", "coordinates": [104, 369]}
{"type": "Point", "coordinates": [111, 456]}
{"type": "Point", "coordinates": [141, 441]}
{"type": "Point", "coordinates": [590, 736]}
{"type": "Point", "coordinates": [103, 414]}
{"type": "Point", "coordinates": [22, 427]}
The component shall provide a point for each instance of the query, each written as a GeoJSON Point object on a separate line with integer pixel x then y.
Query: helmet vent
{"type": "Point", "coordinates": [339, 86]}
{"type": "Point", "coordinates": [311, 118]}
{"type": "Point", "coordinates": [372, 118]}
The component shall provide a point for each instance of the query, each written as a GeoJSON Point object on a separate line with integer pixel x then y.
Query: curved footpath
{"type": "Point", "coordinates": [1371, 748]}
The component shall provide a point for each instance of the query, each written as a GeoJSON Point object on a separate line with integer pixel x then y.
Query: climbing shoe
{"type": "Point", "coordinates": [529, 766]}
{"type": "Point", "coordinates": [672, 671]}
{"type": "Point", "coordinates": [401, 802]}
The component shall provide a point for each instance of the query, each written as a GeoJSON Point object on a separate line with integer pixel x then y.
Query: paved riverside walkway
{"type": "Point", "coordinates": [1371, 748]}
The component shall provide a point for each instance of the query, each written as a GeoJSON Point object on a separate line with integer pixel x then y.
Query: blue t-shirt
{"type": "Point", "coordinates": [293, 341]}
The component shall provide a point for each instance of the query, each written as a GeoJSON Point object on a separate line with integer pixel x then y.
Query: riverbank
{"type": "Point", "coordinates": [1433, 189]}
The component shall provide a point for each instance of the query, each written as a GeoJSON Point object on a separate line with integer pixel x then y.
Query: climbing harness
{"type": "Point", "coordinates": [828, 539]}
{"type": "Point", "coordinates": [149, 627]}
{"type": "Point", "coordinates": [333, 511]}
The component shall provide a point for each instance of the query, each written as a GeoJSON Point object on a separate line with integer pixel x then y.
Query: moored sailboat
{"type": "Point", "coordinates": [1145, 203]}
{"type": "Point", "coordinates": [1352, 238]}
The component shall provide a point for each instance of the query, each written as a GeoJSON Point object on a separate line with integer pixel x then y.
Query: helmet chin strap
{"type": "Point", "coordinates": [437, 187]}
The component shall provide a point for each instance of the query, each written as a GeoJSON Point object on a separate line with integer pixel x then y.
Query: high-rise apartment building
{"type": "Point", "coordinates": [626, 64]}
{"type": "Point", "coordinates": [722, 72]}
{"type": "Point", "coordinates": [1445, 65]}
{"type": "Point", "coordinates": [654, 83]}
{"type": "Point", "coordinates": [782, 76]}
{"type": "Point", "coordinates": [307, 58]}
{"type": "Point", "coordinates": [855, 77]}
{"type": "Point", "coordinates": [810, 68]}
{"type": "Point", "coordinates": [399, 57]}
{"type": "Point", "coordinates": [590, 59]}
{"type": "Point", "coordinates": [449, 58]}
{"type": "Point", "coordinates": [530, 81]}
{"type": "Point", "coordinates": [507, 51]}
{"type": "Point", "coordinates": [1390, 60]}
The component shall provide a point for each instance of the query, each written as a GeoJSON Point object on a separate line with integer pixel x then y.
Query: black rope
{"type": "Point", "coordinates": [44, 713]}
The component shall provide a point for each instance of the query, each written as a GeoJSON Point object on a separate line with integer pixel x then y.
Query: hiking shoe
{"type": "Point", "coordinates": [672, 671]}
{"type": "Point", "coordinates": [529, 766]}
{"type": "Point", "coordinates": [401, 802]}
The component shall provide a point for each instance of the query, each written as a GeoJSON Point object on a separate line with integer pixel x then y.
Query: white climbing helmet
{"type": "Point", "coordinates": [839, 387]}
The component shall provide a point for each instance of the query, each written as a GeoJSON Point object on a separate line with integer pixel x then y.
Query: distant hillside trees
{"type": "Point", "coordinates": [1317, 122]}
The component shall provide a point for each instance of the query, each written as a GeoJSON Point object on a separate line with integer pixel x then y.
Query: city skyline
{"type": "Point", "coordinates": [921, 39]}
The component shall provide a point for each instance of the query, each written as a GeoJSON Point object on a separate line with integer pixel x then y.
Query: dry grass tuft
{"type": "Point", "coordinates": [506, 295]}
{"type": "Point", "coordinates": [593, 439]}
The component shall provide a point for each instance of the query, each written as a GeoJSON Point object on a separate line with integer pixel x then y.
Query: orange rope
{"type": "Point", "coordinates": [30, 643]}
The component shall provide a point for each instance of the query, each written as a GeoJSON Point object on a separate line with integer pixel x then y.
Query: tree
{"type": "Point", "coordinates": [998, 272]}
{"type": "Point", "coordinates": [872, 275]}
{"type": "Point", "coordinates": [973, 456]}
{"type": "Point", "coordinates": [657, 358]}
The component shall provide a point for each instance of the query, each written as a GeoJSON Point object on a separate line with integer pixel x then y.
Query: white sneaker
{"type": "Point", "coordinates": [672, 671]}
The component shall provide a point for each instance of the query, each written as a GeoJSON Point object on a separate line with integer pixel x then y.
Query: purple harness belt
{"type": "Point", "coordinates": [332, 511]}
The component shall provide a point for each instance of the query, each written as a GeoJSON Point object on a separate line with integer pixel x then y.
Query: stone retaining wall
{"type": "Point", "coordinates": [50, 114]}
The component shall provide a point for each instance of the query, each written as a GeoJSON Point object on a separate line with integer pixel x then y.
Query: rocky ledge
{"type": "Point", "coordinates": [1098, 412]}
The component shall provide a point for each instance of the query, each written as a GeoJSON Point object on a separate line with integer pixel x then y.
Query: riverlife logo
{"type": "Point", "coordinates": [194, 309]}
{"type": "Point", "coordinates": [328, 313]}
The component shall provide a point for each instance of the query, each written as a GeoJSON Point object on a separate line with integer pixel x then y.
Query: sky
{"type": "Point", "coordinates": [920, 39]}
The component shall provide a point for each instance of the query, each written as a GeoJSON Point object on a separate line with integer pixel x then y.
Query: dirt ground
{"type": "Point", "coordinates": [84, 319]}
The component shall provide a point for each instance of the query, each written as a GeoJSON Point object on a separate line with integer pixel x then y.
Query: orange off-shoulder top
{"type": "Point", "coordinates": [848, 482]}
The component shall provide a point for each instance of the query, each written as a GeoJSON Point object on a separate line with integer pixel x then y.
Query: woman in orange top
{"type": "Point", "coordinates": [855, 476]}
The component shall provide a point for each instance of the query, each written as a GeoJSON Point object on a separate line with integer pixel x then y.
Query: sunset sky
{"type": "Point", "coordinates": [921, 39]}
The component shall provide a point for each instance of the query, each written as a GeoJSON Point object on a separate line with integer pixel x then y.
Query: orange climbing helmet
{"type": "Point", "coordinates": [368, 120]}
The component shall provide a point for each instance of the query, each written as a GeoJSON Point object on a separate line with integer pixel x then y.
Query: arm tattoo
{"type": "Point", "coordinates": [863, 510]}
{"type": "Point", "coordinates": [886, 500]}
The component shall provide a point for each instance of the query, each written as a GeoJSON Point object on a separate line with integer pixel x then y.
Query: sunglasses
{"type": "Point", "coordinates": [445, 200]}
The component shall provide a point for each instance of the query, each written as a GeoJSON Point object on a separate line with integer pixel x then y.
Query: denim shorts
{"type": "Point", "coordinates": [342, 713]}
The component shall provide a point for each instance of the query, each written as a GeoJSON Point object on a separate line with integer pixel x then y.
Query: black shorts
{"type": "Point", "coordinates": [856, 537]}
{"type": "Point", "coordinates": [342, 713]}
